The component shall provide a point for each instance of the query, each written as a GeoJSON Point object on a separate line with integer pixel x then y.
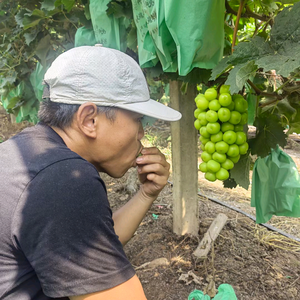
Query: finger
{"type": "Point", "coordinates": [153, 159]}
{"type": "Point", "coordinates": [160, 181]}
{"type": "Point", "coordinates": [154, 168]}
{"type": "Point", "coordinates": [150, 150]}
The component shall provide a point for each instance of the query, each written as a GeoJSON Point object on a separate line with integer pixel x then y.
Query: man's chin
{"type": "Point", "coordinates": [118, 174]}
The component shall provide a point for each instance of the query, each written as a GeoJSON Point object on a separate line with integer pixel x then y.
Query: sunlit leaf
{"type": "Point", "coordinates": [220, 68]}
{"type": "Point", "coordinates": [270, 133]}
{"type": "Point", "coordinates": [68, 4]}
{"type": "Point", "coordinates": [240, 171]}
{"type": "Point", "coordinates": [239, 76]}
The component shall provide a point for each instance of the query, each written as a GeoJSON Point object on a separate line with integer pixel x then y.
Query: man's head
{"type": "Point", "coordinates": [95, 99]}
{"type": "Point", "coordinates": [105, 77]}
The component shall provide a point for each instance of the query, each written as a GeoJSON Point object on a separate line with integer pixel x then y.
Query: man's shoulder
{"type": "Point", "coordinates": [36, 148]}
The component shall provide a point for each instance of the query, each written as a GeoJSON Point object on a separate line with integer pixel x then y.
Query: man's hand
{"type": "Point", "coordinates": [153, 170]}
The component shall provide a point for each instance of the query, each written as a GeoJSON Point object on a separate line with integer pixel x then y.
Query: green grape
{"type": "Point", "coordinates": [210, 176]}
{"type": "Point", "coordinates": [203, 167]}
{"type": "Point", "coordinates": [211, 94]}
{"type": "Point", "coordinates": [210, 147]}
{"type": "Point", "coordinates": [213, 166]}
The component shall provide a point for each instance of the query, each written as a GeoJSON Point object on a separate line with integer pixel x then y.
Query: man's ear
{"type": "Point", "coordinates": [86, 119]}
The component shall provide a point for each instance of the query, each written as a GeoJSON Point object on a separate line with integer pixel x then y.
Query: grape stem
{"type": "Point", "coordinates": [258, 92]}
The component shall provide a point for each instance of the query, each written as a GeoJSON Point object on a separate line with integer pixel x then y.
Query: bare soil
{"type": "Point", "coordinates": [259, 264]}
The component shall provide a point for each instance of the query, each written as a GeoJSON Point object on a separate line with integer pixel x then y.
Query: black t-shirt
{"type": "Point", "coordinates": [57, 235]}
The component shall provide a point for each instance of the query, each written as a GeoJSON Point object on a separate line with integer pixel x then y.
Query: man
{"type": "Point", "coordinates": [58, 236]}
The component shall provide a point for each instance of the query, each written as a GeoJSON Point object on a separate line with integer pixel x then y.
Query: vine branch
{"type": "Point", "coordinates": [237, 24]}
{"type": "Point", "coordinates": [248, 14]}
{"type": "Point", "coordinates": [276, 97]}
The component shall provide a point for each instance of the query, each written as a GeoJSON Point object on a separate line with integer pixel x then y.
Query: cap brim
{"type": "Point", "coordinates": [152, 109]}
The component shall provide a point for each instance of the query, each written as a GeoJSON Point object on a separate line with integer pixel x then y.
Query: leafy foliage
{"type": "Point", "coordinates": [229, 183]}
{"type": "Point", "coordinates": [263, 66]}
{"type": "Point", "coordinates": [269, 134]}
{"type": "Point", "coordinates": [240, 171]}
{"type": "Point", "coordinates": [33, 32]}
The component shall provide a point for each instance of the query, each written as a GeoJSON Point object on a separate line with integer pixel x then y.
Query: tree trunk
{"type": "Point", "coordinates": [184, 161]}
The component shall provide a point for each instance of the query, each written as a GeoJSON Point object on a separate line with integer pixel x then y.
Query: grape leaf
{"type": "Point", "coordinates": [239, 75]}
{"type": "Point", "coordinates": [30, 36]}
{"type": "Point", "coordinates": [87, 11]}
{"type": "Point", "coordinates": [31, 19]}
{"type": "Point", "coordinates": [229, 183]}
{"type": "Point", "coordinates": [283, 63]}
{"type": "Point", "coordinates": [116, 9]}
{"type": "Point", "coordinates": [295, 122]}
{"type": "Point", "coordinates": [247, 51]}
{"type": "Point", "coordinates": [269, 133]}
{"type": "Point", "coordinates": [43, 48]}
{"type": "Point", "coordinates": [68, 4]}
{"type": "Point", "coordinates": [120, 8]}
{"type": "Point", "coordinates": [220, 68]}
{"type": "Point", "coordinates": [48, 5]}
{"type": "Point", "coordinates": [280, 53]}
{"type": "Point", "coordinates": [251, 99]}
{"type": "Point", "coordinates": [285, 108]}
{"type": "Point", "coordinates": [132, 38]}
{"type": "Point", "coordinates": [286, 27]}
{"type": "Point", "coordinates": [240, 171]}
{"type": "Point", "coordinates": [289, 1]}
{"type": "Point", "coordinates": [20, 16]}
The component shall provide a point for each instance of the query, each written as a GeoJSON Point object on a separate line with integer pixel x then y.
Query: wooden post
{"type": "Point", "coordinates": [184, 161]}
{"type": "Point", "coordinates": [12, 119]}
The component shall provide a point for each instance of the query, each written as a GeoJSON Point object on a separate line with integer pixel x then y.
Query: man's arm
{"type": "Point", "coordinates": [129, 290]}
{"type": "Point", "coordinates": [153, 170]}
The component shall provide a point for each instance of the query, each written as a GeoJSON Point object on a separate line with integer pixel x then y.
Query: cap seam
{"type": "Point", "coordinates": [80, 68]}
{"type": "Point", "coordinates": [126, 77]}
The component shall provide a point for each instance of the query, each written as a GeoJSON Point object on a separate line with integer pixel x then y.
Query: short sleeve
{"type": "Point", "coordinates": [64, 226]}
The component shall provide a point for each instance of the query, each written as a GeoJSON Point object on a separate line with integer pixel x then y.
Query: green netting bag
{"type": "Point", "coordinates": [275, 186]}
{"type": "Point", "coordinates": [109, 31]}
{"type": "Point", "coordinates": [12, 98]}
{"type": "Point", "coordinates": [180, 36]}
{"type": "Point", "coordinates": [21, 94]}
{"type": "Point", "coordinates": [225, 292]}
{"type": "Point", "coordinates": [85, 37]}
{"type": "Point", "coordinates": [36, 79]}
{"type": "Point", "coordinates": [198, 31]}
{"type": "Point", "coordinates": [146, 46]}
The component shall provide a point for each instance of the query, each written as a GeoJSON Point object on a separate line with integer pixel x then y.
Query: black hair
{"type": "Point", "coordinates": [61, 115]}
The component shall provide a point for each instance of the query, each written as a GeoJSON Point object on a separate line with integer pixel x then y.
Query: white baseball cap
{"type": "Point", "coordinates": [106, 77]}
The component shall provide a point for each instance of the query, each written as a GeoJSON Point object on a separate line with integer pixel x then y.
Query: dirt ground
{"type": "Point", "coordinates": [258, 263]}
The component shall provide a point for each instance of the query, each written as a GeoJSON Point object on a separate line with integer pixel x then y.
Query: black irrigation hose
{"type": "Point", "coordinates": [249, 216]}
{"type": "Point", "coordinates": [253, 218]}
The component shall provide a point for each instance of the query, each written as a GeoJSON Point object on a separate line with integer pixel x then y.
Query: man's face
{"type": "Point", "coordinates": [118, 142]}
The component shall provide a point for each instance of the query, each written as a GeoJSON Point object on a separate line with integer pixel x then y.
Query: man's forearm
{"type": "Point", "coordinates": [129, 216]}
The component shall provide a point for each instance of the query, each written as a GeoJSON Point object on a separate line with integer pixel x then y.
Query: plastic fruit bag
{"type": "Point", "coordinates": [85, 37]}
{"type": "Point", "coordinates": [178, 35]}
{"type": "Point", "coordinates": [225, 292]}
{"type": "Point", "coordinates": [275, 186]}
{"type": "Point", "coordinates": [109, 31]}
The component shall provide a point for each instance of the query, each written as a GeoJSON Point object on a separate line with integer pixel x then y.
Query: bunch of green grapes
{"type": "Point", "coordinates": [220, 120]}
